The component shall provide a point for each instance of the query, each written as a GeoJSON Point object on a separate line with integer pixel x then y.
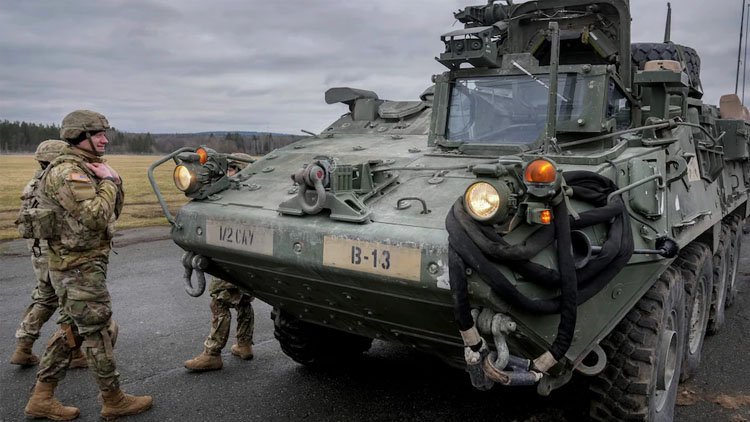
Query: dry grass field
{"type": "Point", "coordinates": [141, 208]}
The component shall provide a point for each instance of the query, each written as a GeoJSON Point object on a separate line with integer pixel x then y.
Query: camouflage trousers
{"type": "Point", "coordinates": [43, 299]}
{"type": "Point", "coordinates": [225, 295]}
{"type": "Point", "coordinates": [86, 320]}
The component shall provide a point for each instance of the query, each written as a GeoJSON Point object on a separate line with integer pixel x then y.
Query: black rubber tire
{"type": "Point", "coordinates": [313, 345]}
{"type": "Point", "coordinates": [696, 263]}
{"type": "Point", "coordinates": [719, 286]}
{"type": "Point", "coordinates": [644, 357]}
{"type": "Point", "coordinates": [640, 53]}
{"type": "Point", "coordinates": [735, 245]}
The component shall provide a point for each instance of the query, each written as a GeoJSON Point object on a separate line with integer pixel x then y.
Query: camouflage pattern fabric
{"type": "Point", "coordinates": [27, 195]}
{"type": "Point", "coordinates": [225, 295]}
{"type": "Point", "coordinates": [85, 307]}
{"type": "Point", "coordinates": [86, 208]}
{"type": "Point", "coordinates": [43, 298]}
{"type": "Point", "coordinates": [79, 121]}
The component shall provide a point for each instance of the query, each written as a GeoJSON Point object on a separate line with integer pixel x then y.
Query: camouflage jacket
{"type": "Point", "coordinates": [85, 206]}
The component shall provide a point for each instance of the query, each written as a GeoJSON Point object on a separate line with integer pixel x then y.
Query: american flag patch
{"type": "Point", "coordinates": [78, 177]}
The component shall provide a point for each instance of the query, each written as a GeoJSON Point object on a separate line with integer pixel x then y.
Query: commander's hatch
{"type": "Point", "coordinates": [590, 32]}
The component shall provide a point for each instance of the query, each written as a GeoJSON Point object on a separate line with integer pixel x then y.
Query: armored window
{"type": "Point", "coordinates": [618, 106]}
{"type": "Point", "coordinates": [510, 109]}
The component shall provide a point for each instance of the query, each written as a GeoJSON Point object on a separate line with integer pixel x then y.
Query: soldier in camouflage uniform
{"type": "Point", "coordinates": [225, 295]}
{"type": "Point", "coordinates": [44, 299]}
{"type": "Point", "coordinates": [86, 197]}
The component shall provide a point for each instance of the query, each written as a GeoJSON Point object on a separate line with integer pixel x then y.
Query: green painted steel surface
{"type": "Point", "coordinates": [387, 277]}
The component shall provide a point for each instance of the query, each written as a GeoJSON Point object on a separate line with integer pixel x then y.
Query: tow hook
{"type": "Point", "coordinates": [197, 263]}
{"type": "Point", "coordinates": [314, 176]}
{"type": "Point", "coordinates": [500, 366]}
{"type": "Point", "coordinates": [486, 367]}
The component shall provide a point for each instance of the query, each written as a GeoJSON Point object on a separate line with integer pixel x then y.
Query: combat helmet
{"type": "Point", "coordinates": [82, 122]}
{"type": "Point", "coordinates": [48, 150]}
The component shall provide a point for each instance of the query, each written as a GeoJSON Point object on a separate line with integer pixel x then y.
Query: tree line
{"type": "Point", "coordinates": [255, 143]}
{"type": "Point", "coordinates": [23, 137]}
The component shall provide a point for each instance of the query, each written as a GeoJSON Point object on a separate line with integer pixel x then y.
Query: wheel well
{"type": "Point", "coordinates": [711, 237]}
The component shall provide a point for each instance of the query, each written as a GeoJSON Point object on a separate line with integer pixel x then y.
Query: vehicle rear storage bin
{"type": "Point", "coordinates": [735, 140]}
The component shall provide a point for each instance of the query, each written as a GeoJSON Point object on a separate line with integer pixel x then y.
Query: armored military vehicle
{"type": "Point", "coordinates": [559, 201]}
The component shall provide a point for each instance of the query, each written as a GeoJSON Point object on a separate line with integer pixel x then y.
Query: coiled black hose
{"type": "Point", "coordinates": [481, 248]}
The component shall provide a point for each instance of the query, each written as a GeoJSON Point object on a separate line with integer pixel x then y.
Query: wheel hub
{"type": "Point", "coordinates": [667, 364]}
{"type": "Point", "coordinates": [696, 320]}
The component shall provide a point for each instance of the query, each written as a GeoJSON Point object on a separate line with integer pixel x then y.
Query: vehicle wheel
{"type": "Point", "coordinates": [640, 53]}
{"type": "Point", "coordinates": [719, 286]}
{"type": "Point", "coordinates": [733, 258]}
{"type": "Point", "coordinates": [696, 262]}
{"type": "Point", "coordinates": [311, 344]}
{"type": "Point", "coordinates": [644, 357]}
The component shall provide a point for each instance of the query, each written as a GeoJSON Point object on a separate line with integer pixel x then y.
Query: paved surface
{"type": "Point", "coordinates": [161, 326]}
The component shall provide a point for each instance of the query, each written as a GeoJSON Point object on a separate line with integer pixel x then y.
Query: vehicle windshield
{"type": "Point", "coordinates": [509, 109]}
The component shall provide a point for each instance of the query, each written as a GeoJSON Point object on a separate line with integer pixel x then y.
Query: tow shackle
{"type": "Point", "coordinates": [199, 264]}
{"type": "Point", "coordinates": [313, 176]}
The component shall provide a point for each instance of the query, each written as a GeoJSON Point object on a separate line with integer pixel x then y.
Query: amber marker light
{"type": "Point", "coordinates": [202, 155]}
{"type": "Point", "coordinates": [183, 178]}
{"type": "Point", "coordinates": [539, 216]}
{"type": "Point", "coordinates": [545, 217]}
{"type": "Point", "coordinates": [540, 171]}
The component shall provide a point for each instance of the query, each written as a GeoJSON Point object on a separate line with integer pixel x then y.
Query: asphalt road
{"type": "Point", "coordinates": [161, 326]}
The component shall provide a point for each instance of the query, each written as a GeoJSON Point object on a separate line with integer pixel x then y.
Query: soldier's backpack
{"type": "Point", "coordinates": [34, 222]}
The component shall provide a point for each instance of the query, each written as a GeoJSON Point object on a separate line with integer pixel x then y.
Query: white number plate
{"type": "Point", "coordinates": [240, 236]}
{"type": "Point", "coordinates": [371, 257]}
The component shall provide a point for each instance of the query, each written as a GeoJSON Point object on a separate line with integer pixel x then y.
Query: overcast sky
{"type": "Point", "coordinates": [194, 65]}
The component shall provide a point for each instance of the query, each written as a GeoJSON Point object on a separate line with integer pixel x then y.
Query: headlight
{"type": "Point", "coordinates": [482, 200]}
{"type": "Point", "coordinates": [486, 202]}
{"type": "Point", "coordinates": [184, 179]}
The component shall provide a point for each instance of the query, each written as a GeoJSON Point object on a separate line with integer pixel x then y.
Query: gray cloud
{"type": "Point", "coordinates": [168, 66]}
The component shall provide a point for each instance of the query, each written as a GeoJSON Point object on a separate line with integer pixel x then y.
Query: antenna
{"type": "Point", "coordinates": [744, 62]}
{"type": "Point", "coordinates": [739, 50]}
{"type": "Point", "coordinates": [668, 28]}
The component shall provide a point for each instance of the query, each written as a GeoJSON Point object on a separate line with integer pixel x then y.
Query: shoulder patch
{"type": "Point", "coordinates": [78, 177]}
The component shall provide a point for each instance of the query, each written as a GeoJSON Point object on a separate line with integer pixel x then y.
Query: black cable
{"type": "Point", "coordinates": [568, 285]}
{"type": "Point", "coordinates": [481, 248]}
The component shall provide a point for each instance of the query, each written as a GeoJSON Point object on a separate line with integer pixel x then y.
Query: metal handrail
{"type": "Point", "coordinates": [155, 187]}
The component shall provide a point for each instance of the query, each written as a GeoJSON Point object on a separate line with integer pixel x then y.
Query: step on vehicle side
{"type": "Point", "coordinates": [558, 201]}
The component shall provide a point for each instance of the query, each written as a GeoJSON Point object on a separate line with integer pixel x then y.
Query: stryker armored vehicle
{"type": "Point", "coordinates": [558, 201]}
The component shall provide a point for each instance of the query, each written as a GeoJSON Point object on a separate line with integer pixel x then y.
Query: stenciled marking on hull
{"type": "Point", "coordinates": [239, 236]}
{"type": "Point", "coordinates": [372, 257]}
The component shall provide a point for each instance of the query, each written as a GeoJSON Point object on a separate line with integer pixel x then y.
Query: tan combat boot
{"type": "Point", "coordinates": [23, 355]}
{"type": "Point", "coordinates": [116, 404]}
{"type": "Point", "coordinates": [79, 360]}
{"type": "Point", "coordinates": [204, 362]}
{"type": "Point", "coordinates": [43, 404]}
{"type": "Point", "coordinates": [243, 350]}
